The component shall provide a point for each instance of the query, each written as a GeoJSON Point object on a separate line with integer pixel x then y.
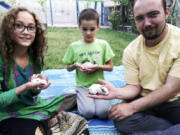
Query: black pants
{"type": "Point", "coordinates": [160, 120]}
{"type": "Point", "coordinates": [18, 126]}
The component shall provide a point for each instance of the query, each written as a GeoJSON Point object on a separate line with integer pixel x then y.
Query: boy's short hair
{"type": "Point", "coordinates": [89, 14]}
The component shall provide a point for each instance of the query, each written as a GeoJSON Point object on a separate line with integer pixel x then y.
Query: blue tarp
{"type": "Point", "coordinates": [63, 82]}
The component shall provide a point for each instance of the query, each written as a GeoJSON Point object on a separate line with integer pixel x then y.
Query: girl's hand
{"type": "Point", "coordinates": [37, 86]}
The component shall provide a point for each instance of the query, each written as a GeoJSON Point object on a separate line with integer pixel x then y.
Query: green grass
{"type": "Point", "coordinates": [60, 38]}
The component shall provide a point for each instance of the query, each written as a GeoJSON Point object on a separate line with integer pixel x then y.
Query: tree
{"type": "Point", "coordinates": [8, 3]}
{"type": "Point", "coordinates": [174, 16]}
{"type": "Point", "coordinates": [121, 15]}
{"type": "Point", "coordinates": [12, 2]}
{"type": "Point", "coordinates": [43, 8]}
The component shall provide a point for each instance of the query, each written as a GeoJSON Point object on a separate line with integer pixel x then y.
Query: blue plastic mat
{"type": "Point", "coordinates": [63, 82]}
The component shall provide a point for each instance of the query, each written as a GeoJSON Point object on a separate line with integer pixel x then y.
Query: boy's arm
{"type": "Point", "coordinates": [71, 67]}
{"type": "Point", "coordinates": [108, 66]}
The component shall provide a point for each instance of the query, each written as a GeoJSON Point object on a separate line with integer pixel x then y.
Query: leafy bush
{"type": "Point", "coordinates": [115, 21]}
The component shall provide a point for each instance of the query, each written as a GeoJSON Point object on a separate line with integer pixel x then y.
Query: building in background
{"type": "Point", "coordinates": [62, 13]}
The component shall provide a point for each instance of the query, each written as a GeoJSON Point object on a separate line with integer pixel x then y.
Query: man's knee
{"type": "Point", "coordinates": [140, 122]}
{"type": "Point", "coordinates": [123, 126]}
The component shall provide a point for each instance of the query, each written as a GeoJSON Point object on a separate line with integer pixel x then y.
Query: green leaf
{"type": "Point", "coordinates": [122, 1]}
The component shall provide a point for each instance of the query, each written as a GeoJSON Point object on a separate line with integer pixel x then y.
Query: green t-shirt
{"type": "Point", "coordinates": [99, 52]}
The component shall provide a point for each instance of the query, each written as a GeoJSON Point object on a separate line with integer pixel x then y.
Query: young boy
{"type": "Point", "coordinates": [89, 57]}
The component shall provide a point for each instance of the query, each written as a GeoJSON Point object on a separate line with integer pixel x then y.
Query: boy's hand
{"type": "Point", "coordinates": [92, 68]}
{"type": "Point", "coordinates": [80, 67]}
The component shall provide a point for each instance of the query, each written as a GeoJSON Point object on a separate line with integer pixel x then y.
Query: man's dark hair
{"type": "Point", "coordinates": [163, 3]}
{"type": "Point", "coordinates": [89, 14]}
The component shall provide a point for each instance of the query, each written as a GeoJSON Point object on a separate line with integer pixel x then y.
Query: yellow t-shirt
{"type": "Point", "coordinates": [150, 67]}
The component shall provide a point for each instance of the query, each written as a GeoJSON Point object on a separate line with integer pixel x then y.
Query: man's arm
{"type": "Point", "coordinates": [162, 94]}
{"type": "Point", "coordinates": [126, 92]}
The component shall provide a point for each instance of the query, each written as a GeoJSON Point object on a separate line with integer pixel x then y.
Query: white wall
{"type": "Point", "coordinates": [63, 13]}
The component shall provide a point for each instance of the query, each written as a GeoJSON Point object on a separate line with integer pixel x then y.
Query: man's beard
{"type": "Point", "coordinates": [153, 36]}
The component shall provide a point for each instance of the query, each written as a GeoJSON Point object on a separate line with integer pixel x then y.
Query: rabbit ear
{"type": "Point", "coordinates": [102, 89]}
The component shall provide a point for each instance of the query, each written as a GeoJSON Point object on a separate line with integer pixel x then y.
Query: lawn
{"type": "Point", "coordinates": [60, 38]}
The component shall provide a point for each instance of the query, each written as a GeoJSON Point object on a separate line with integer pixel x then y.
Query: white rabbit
{"type": "Point", "coordinates": [87, 65]}
{"type": "Point", "coordinates": [43, 82]}
{"type": "Point", "coordinates": [98, 89]}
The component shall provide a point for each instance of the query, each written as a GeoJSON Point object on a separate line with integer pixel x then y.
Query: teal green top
{"type": "Point", "coordinates": [28, 104]}
{"type": "Point", "coordinates": [99, 52]}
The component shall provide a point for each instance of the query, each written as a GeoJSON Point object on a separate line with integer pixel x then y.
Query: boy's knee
{"type": "Point", "coordinates": [102, 113]}
{"type": "Point", "coordinates": [87, 113]}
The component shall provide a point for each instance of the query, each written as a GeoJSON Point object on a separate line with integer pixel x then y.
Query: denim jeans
{"type": "Point", "coordinates": [163, 119]}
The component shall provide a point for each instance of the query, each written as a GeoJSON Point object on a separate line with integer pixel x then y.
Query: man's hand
{"type": "Point", "coordinates": [112, 91]}
{"type": "Point", "coordinates": [121, 111]}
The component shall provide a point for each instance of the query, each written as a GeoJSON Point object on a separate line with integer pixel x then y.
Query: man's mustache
{"type": "Point", "coordinates": [148, 28]}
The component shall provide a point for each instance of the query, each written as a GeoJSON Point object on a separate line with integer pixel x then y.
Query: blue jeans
{"type": "Point", "coordinates": [163, 119]}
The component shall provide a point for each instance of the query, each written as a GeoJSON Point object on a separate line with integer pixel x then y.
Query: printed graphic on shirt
{"type": "Point", "coordinates": [90, 56]}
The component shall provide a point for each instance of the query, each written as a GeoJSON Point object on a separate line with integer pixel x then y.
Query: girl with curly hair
{"type": "Point", "coordinates": [22, 44]}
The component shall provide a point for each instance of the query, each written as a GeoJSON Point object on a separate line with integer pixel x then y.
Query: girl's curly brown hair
{"type": "Point", "coordinates": [7, 42]}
